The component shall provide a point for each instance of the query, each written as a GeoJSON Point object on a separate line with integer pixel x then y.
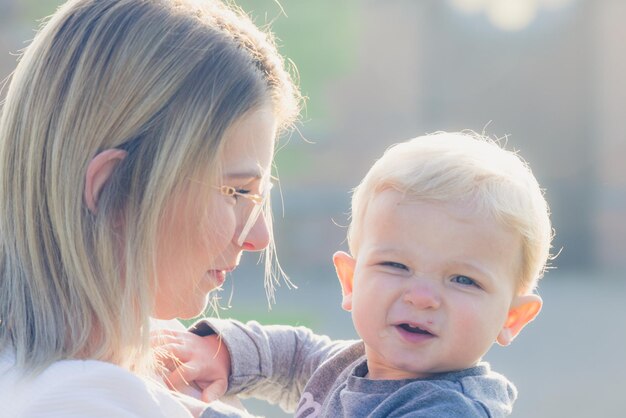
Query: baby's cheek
{"type": "Point", "coordinates": [471, 323]}
{"type": "Point", "coordinates": [484, 324]}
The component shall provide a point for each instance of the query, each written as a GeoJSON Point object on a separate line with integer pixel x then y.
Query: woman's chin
{"type": "Point", "coordinates": [213, 279]}
{"type": "Point", "coordinates": [191, 308]}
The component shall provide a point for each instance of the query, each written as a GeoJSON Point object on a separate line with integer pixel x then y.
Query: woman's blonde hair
{"type": "Point", "coordinates": [163, 80]}
{"type": "Point", "coordinates": [464, 167]}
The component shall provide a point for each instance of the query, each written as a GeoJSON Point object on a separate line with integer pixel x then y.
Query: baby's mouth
{"type": "Point", "coordinates": [414, 329]}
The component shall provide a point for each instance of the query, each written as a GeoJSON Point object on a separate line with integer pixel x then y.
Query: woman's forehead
{"type": "Point", "coordinates": [249, 144]}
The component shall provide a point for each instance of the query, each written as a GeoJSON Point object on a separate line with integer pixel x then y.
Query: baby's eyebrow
{"type": "Point", "coordinates": [478, 269]}
{"type": "Point", "coordinates": [386, 251]}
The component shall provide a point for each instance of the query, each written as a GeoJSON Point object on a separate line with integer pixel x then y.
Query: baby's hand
{"type": "Point", "coordinates": [191, 360]}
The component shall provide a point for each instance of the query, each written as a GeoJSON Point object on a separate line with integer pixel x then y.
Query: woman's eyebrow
{"type": "Point", "coordinates": [254, 174]}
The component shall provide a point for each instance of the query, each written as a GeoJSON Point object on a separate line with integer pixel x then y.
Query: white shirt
{"type": "Point", "coordinates": [77, 388]}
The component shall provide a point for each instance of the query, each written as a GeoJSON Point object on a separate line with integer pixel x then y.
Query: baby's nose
{"type": "Point", "coordinates": [423, 294]}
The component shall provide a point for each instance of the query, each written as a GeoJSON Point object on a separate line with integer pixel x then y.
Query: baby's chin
{"type": "Point", "coordinates": [396, 370]}
{"type": "Point", "coordinates": [392, 373]}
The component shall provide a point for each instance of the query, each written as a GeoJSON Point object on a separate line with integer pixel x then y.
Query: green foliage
{"type": "Point", "coordinates": [318, 36]}
{"type": "Point", "coordinates": [293, 161]}
{"type": "Point", "coordinates": [35, 10]}
{"type": "Point", "coordinates": [262, 316]}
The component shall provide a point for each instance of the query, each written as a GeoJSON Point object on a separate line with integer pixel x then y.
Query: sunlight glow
{"type": "Point", "coordinates": [509, 15]}
{"type": "Point", "coordinates": [470, 6]}
{"type": "Point", "coordinates": [512, 15]}
{"type": "Point", "coordinates": [554, 4]}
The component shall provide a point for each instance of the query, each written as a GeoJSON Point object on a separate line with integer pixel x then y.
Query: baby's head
{"type": "Point", "coordinates": [449, 235]}
{"type": "Point", "coordinates": [454, 168]}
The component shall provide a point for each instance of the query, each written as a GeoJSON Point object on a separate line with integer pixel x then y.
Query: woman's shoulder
{"type": "Point", "coordinates": [84, 388]}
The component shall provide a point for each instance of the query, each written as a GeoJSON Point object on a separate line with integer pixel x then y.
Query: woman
{"type": "Point", "coordinates": [136, 142]}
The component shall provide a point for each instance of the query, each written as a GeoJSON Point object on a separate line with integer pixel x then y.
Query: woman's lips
{"type": "Point", "coordinates": [217, 277]}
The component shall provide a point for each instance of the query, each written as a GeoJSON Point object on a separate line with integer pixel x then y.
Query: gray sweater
{"type": "Point", "coordinates": [317, 377]}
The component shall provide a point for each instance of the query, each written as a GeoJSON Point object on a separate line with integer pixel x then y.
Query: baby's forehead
{"type": "Point", "coordinates": [387, 201]}
{"type": "Point", "coordinates": [394, 220]}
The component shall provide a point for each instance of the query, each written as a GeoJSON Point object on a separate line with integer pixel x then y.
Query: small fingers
{"type": "Point", "coordinates": [171, 357]}
{"type": "Point", "coordinates": [160, 337]}
{"type": "Point", "coordinates": [176, 350]}
{"type": "Point", "coordinates": [214, 390]}
{"type": "Point", "coordinates": [182, 377]}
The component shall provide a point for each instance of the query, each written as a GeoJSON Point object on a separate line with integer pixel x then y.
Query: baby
{"type": "Point", "coordinates": [448, 237]}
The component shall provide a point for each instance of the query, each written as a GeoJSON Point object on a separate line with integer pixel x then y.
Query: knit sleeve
{"type": "Point", "coordinates": [273, 362]}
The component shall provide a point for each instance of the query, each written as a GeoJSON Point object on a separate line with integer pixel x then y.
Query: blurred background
{"type": "Point", "coordinates": [549, 75]}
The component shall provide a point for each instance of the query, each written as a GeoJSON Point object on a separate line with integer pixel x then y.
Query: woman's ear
{"type": "Point", "coordinates": [99, 171]}
{"type": "Point", "coordinates": [344, 265]}
{"type": "Point", "coordinates": [523, 310]}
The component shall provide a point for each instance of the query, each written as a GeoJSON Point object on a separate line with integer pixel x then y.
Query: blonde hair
{"type": "Point", "coordinates": [163, 80]}
{"type": "Point", "coordinates": [452, 167]}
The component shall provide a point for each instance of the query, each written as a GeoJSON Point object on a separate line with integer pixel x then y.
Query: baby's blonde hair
{"type": "Point", "coordinates": [162, 79]}
{"type": "Point", "coordinates": [464, 167]}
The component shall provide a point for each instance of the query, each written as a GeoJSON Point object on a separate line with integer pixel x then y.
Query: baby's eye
{"type": "Point", "coordinates": [394, 265]}
{"type": "Point", "coordinates": [464, 280]}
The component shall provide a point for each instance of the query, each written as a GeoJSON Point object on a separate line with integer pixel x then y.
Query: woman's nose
{"type": "Point", "coordinates": [423, 294]}
{"type": "Point", "coordinates": [259, 236]}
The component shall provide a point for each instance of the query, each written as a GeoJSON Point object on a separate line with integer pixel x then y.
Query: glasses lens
{"type": "Point", "coordinates": [257, 208]}
{"type": "Point", "coordinates": [252, 218]}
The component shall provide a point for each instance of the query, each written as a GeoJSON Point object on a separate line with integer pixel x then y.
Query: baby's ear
{"type": "Point", "coordinates": [344, 265]}
{"type": "Point", "coordinates": [523, 310]}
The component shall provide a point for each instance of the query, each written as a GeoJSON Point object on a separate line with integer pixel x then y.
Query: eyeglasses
{"type": "Point", "coordinates": [258, 200]}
